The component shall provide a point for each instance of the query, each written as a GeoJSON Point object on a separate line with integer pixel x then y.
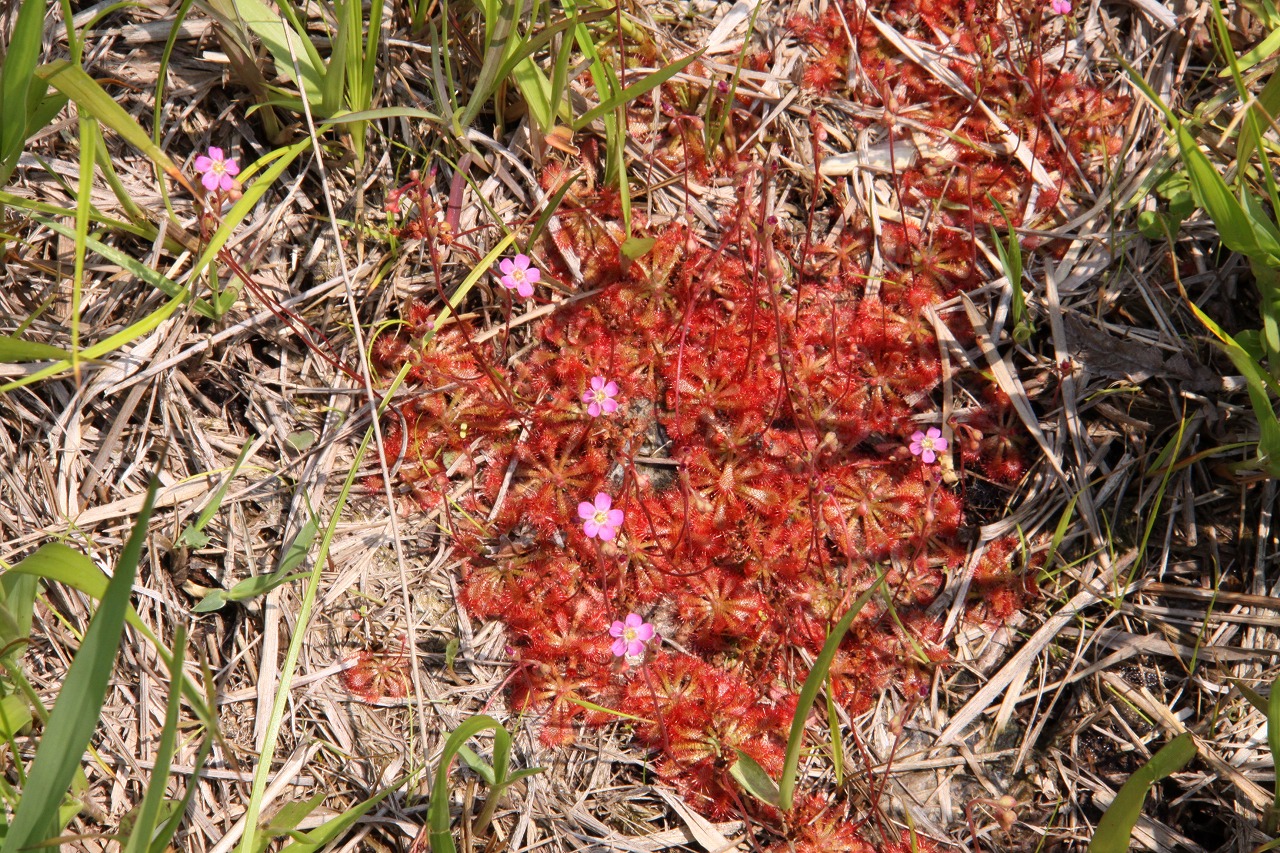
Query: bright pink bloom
{"type": "Point", "coordinates": [600, 397]}
{"type": "Point", "coordinates": [517, 275]}
{"type": "Point", "coordinates": [928, 446]}
{"type": "Point", "coordinates": [1061, 7]}
{"type": "Point", "coordinates": [217, 172]}
{"type": "Point", "coordinates": [598, 519]}
{"type": "Point", "coordinates": [631, 636]}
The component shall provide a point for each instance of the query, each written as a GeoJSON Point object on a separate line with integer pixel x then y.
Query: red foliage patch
{"type": "Point", "coordinates": [768, 389]}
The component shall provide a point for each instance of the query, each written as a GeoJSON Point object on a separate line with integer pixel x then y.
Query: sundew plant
{"type": "Point", "coordinates": [682, 478]}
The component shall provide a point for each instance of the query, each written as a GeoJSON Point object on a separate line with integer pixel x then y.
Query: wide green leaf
{"type": "Point", "coordinates": [17, 351]}
{"type": "Point", "coordinates": [1117, 823]}
{"type": "Point", "coordinates": [754, 779]}
{"type": "Point", "coordinates": [75, 714]}
{"type": "Point", "coordinates": [1212, 194]}
{"type": "Point", "coordinates": [16, 76]}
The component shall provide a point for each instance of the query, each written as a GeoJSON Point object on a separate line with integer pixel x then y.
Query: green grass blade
{"type": "Point", "coordinates": [1273, 743]}
{"type": "Point", "coordinates": [259, 585]}
{"type": "Point", "coordinates": [809, 692]}
{"type": "Point", "coordinates": [119, 339]}
{"type": "Point", "coordinates": [1265, 109]}
{"type": "Point", "coordinates": [1261, 386]}
{"type": "Point", "coordinates": [56, 562]}
{"type": "Point", "coordinates": [17, 351]}
{"type": "Point", "coordinates": [833, 729]}
{"type": "Point", "coordinates": [441, 835]}
{"type": "Point", "coordinates": [1215, 198]}
{"type": "Point", "coordinates": [635, 90]}
{"type": "Point", "coordinates": [75, 714]}
{"type": "Point", "coordinates": [149, 813]}
{"type": "Point", "coordinates": [88, 154]}
{"type": "Point", "coordinates": [191, 534]}
{"type": "Point", "coordinates": [278, 35]}
{"type": "Point", "coordinates": [156, 279]}
{"type": "Point", "coordinates": [500, 33]}
{"type": "Point", "coordinates": [16, 75]}
{"type": "Point", "coordinates": [171, 826]}
{"type": "Point", "coordinates": [313, 840]}
{"type": "Point", "coordinates": [1117, 823]}
{"type": "Point", "coordinates": [73, 82]}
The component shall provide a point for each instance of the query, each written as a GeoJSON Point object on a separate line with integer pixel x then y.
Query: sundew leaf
{"type": "Point", "coordinates": [1117, 824]}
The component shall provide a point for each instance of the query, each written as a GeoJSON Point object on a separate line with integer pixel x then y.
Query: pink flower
{"type": "Point", "coordinates": [928, 446]}
{"type": "Point", "coordinates": [631, 636]}
{"type": "Point", "coordinates": [517, 275]}
{"type": "Point", "coordinates": [1061, 7]}
{"type": "Point", "coordinates": [600, 397]}
{"type": "Point", "coordinates": [217, 172]}
{"type": "Point", "coordinates": [598, 519]}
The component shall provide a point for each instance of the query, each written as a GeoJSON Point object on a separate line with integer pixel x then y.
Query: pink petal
{"type": "Point", "coordinates": [203, 164]}
{"type": "Point", "coordinates": [916, 447]}
{"type": "Point", "coordinates": [216, 153]}
{"type": "Point", "coordinates": [507, 267]}
{"type": "Point", "coordinates": [616, 629]}
{"type": "Point", "coordinates": [941, 444]}
{"type": "Point", "coordinates": [645, 632]}
{"type": "Point", "coordinates": [635, 648]}
{"type": "Point", "coordinates": [586, 510]}
{"type": "Point", "coordinates": [611, 389]}
{"type": "Point", "coordinates": [634, 620]}
{"type": "Point", "coordinates": [594, 409]}
{"type": "Point", "coordinates": [609, 406]}
{"type": "Point", "coordinates": [522, 261]}
{"type": "Point", "coordinates": [533, 274]}
{"type": "Point", "coordinates": [934, 432]}
{"type": "Point", "coordinates": [606, 533]}
{"type": "Point", "coordinates": [603, 502]}
{"type": "Point", "coordinates": [525, 289]}
{"type": "Point", "coordinates": [210, 181]}
{"type": "Point", "coordinates": [917, 437]}
{"type": "Point", "coordinates": [619, 647]}
{"type": "Point", "coordinates": [232, 167]}
{"type": "Point", "coordinates": [226, 183]}
{"type": "Point", "coordinates": [591, 528]}
{"type": "Point", "coordinates": [929, 456]}
{"type": "Point", "coordinates": [597, 382]}
{"type": "Point", "coordinates": [614, 518]}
